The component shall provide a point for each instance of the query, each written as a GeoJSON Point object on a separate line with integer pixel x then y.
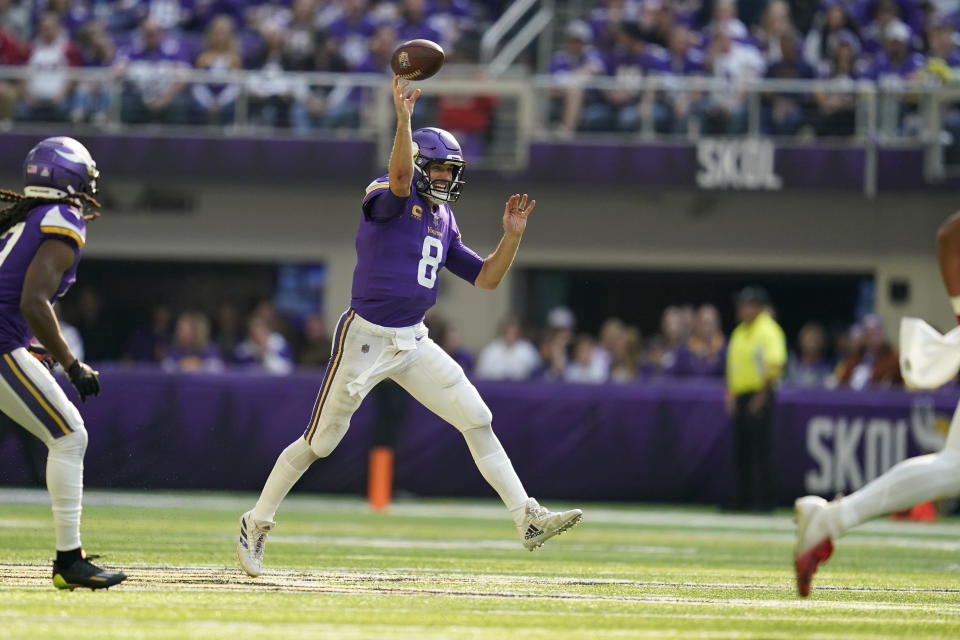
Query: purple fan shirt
{"type": "Point", "coordinates": [884, 67]}
{"type": "Point", "coordinates": [402, 244]}
{"type": "Point", "coordinates": [18, 246]}
{"type": "Point", "coordinates": [651, 60]}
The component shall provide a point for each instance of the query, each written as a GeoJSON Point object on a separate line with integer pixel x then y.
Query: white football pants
{"type": "Point", "coordinates": [365, 354]}
{"type": "Point", "coordinates": [31, 397]}
{"type": "Point", "coordinates": [911, 482]}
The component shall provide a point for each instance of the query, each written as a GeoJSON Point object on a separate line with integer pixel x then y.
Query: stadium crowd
{"type": "Point", "coordinates": [893, 42]}
{"type": "Point", "coordinates": [691, 342]}
{"type": "Point", "coordinates": [149, 42]}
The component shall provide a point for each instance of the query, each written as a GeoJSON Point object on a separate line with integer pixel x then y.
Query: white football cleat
{"type": "Point", "coordinates": [253, 538]}
{"type": "Point", "coordinates": [539, 525]}
{"type": "Point", "coordinates": [814, 539]}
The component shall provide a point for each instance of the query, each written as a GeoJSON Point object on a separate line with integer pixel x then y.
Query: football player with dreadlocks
{"type": "Point", "coordinates": [407, 234]}
{"type": "Point", "coordinates": [41, 238]}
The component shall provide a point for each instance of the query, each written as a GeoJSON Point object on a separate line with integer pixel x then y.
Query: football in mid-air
{"type": "Point", "coordinates": [417, 59]}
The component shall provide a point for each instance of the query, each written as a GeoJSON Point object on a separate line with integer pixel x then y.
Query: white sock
{"type": "Point", "coordinates": [495, 466]}
{"type": "Point", "coordinates": [291, 464]}
{"type": "Point", "coordinates": [906, 484]}
{"type": "Point", "coordinates": [65, 484]}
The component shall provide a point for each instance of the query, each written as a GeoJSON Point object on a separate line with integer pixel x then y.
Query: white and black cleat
{"type": "Point", "coordinates": [539, 524]}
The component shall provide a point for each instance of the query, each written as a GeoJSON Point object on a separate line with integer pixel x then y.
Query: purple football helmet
{"type": "Point", "coordinates": [59, 166]}
{"type": "Point", "coordinates": [436, 145]}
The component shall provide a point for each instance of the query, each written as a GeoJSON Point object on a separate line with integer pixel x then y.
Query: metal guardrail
{"type": "Point", "coordinates": [522, 109]}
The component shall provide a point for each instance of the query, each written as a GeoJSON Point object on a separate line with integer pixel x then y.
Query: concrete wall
{"type": "Point", "coordinates": [891, 237]}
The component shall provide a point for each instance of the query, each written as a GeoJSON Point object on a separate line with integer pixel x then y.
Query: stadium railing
{"type": "Point", "coordinates": [515, 110]}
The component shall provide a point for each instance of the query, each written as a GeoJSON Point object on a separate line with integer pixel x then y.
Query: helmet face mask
{"type": "Point", "coordinates": [432, 145]}
{"type": "Point", "coordinates": [57, 167]}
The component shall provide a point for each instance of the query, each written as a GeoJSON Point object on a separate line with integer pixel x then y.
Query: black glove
{"type": "Point", "coordinates": [85, 379]}
{"type": "Point", "coordinates": [43, 356]}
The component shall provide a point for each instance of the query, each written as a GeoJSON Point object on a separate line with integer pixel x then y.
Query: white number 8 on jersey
{"type": "Point", "coordinates": [427, 269]}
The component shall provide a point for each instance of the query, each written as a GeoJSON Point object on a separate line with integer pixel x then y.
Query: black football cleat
{"type": "Point", "coordinates": [84, 573]}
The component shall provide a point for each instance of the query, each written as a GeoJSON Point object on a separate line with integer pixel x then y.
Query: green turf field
{"type": "Point", "coordinates": [442, 569]}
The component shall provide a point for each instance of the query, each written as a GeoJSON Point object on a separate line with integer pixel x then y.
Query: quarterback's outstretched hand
{"type": "Point", "coordinates": [515, 214]}
{"type": "Point", "coordinates": [85, 379]}
{"type": "Point", "coordinates": [402, 99]}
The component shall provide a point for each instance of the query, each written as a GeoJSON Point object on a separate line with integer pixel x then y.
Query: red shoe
{"type": "Point", "coordinates": [806, 565]}
{"type": "Point", "coordinates": [814, 539]}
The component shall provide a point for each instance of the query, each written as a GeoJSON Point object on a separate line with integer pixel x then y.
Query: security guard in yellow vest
{"type": "Point", "coordinates": [756, 357]}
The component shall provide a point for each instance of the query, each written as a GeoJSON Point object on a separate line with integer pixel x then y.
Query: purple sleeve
{"type": "Point", "coordinates": [382, 205]}
{"type": "Point", "coordinates": [462, 261]}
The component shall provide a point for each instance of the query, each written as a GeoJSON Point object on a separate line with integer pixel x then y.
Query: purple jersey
{"type": "Point", "coordinates": [398, 257]}
{"type": "Point", "coordinates": [17, 248]}
{"type": "Point", "coordinates": [651, 60]}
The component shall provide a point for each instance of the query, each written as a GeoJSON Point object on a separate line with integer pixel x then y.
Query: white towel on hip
{"type": "Point", "coordinates": [928, 359]}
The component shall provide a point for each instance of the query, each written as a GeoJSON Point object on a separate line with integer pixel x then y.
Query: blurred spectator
{"type": "Point", "coordinates": [705, 351]}
{"type": "Point", "coordinates": [625, 351]}
{"type": "Point", "coordinates": [413, 23]}
{"type": "Point", "coordinates": [665, 349]}
{"type": "Point", "coordinates": [894, 68]}
{"type": "Point", "coordinates": [91, 99]}
{"type": "Point", "coordinates": [509, 357]}
{"type": "Point", "coordinates": [611, 334]}
{"type": "Point", "coordinates": [808, 367]}
{"type": "Point", "coordinates": [352, 32]}
{"type": "Point", "coordinates": [191, 349]}
{"type": "Point", "coordinates": [454, 20]}
{"type": "Point", "coordinates": [633, 60]}
{"type": "Point", "coordinates": [153, 64]}
{"type": "Point", "coordinates": [684, 60]}
{"type": "Point", "coordinates": [585, 366]}
{"type": "Point", "coordinates": [943, 45]}
{"type": "Point", "coordinates": [896, 64]}
{"type": "Point", "coordinates": [577, 62]}
{"type": "Point", "coordinates": [264, 349]}
{"type": "Point", "coordinates": [775, 25]}
{"type": "Point", "coordinates": [832, 21]}
{"type": "Point", "coordinates": [202, 12]}
{"type": "Point", "coordinates": [13, 53]}
{"type": "Point", "coordinates": [15, 19]}
{"type": "Point", "coordinates": [736, 64]}
{"type": "Point", "coordinates": [756, 358]}
{"type": "Point", "coordinates": [562, 319]}
{"type": "Point", "coordinates": [48, 87]}
{"type": "Point", "coordinates": [874, 34]}
{"type": "Point", "coordinates": [300, 36]}
{"type": "Point", "coordinates": [215, 103]}
{"type": "Point", "coordinates": [276, 100]}
{"type": "Point", "coordinates": [725, 20]}
{"type": "Point", "coordinates": [836, 111]}
{"type": "Point", "coordinates": [149, 343]}
{"type": "Point", "coordinates": [607, 21]}
{"type": "Point", "coordinates": [785, 113]}
{"type": "Point", "coordinates": [943, 63]}
{"type": "Point", "coordinates": [874, 364]}
{"type": "Point", "coordinates": [552, 348]}
{"type": "Point", "coordinates": [228, 330]}
{"type": "Point", "coordinates": [315, 346]}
